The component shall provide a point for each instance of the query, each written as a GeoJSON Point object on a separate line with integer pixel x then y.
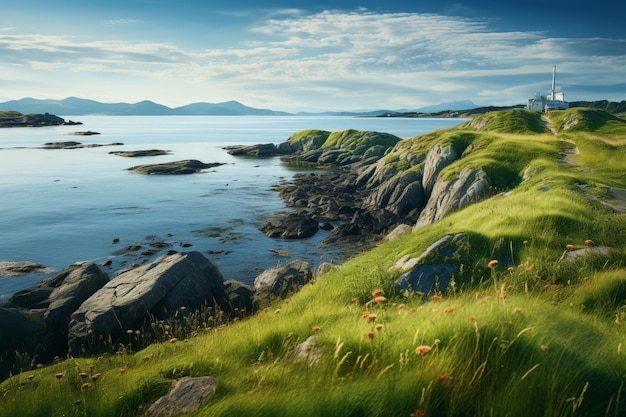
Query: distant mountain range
{"type": "Point", "coordinates": [73, 106]}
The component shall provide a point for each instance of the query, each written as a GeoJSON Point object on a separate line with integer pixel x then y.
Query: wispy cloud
{"type": "Point", "coordinates": [394, 58]}
{"type": "Point", "coordinates": [120, 22]}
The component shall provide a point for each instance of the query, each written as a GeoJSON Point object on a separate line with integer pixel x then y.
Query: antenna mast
{"type": "Point", "coordinates": [554, 82]}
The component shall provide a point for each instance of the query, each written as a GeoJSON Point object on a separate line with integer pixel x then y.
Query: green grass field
{"type": "Point", "coordinates": [532, 336]}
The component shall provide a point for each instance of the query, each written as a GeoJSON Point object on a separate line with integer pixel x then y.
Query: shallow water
{"type": "Point", "coordinates": [58, 207]}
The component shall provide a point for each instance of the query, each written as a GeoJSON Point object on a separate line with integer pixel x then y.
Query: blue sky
{"type": "Point", "coordinates": [294, 55]}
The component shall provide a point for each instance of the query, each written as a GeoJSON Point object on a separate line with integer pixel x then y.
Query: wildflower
{"type": "Point", "coordinates": [569, 247]}
{"type": "Point", "coordinates": [517, 310]}
{"type": "Point", "coordinates": [85, 386]}
{"type": "Point", "coordinates": [546, 287]}
{"type": "Point", "coordinates": [502, 296]}
{"type": "Point", "coordinates": [492, 263]}
{"type": "Point", "coordinates": [315, 329]}
{"type": "Point", "coordinates": [448, 309]}
{"type": "Point", "coordinates": [371, 317]}
{"type": "Point", "coordinates": [544, 347]}
{"type": "Point", "coordinates": [420, 413]}
{"type": "Point", "coordinates": [401, 306]}
{"type": "Point", "coordinates": [122, 370]}
{"type": "Point", "coordinates": [130, 331]}
{"type": "Point", "coordinates": [58, 375]}
{"type": "Point", "coordinates": [277, 311]}
{"type": "Point", "coordinates": [95, 377]}
{"type": "Point", "coordinates": [422, 350]}
{"type": "Point", "coordinates": [354, 299]}
{"type": "Point", "coordinates": [436, 297]}
{"type": "Point", "coordinates": [173, 340]}
{"type": "Point", "coordinates": [31, 376]}
{"type": "Point", "coordinates": [83, 375]}
{"type": "Point", "coordinates": [378, 327]}
{"type": "Point", "coordinates": [436, 342]}
{"type": "Point", "coordinates": [510, 269]}
{"type": "Point", "coordinates": [589, 242]}
{"type": "Point", "coordinates": [380, 299]}
{"type": "Point", "coordinates": [370, 335]}
{"type": "Point", "coordinates": [377, 292]}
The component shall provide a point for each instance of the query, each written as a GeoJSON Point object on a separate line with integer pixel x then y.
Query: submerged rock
{"type": "Point", "coordinates": [15, 269]}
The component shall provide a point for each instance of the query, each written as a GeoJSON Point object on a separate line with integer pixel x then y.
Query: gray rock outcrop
{"type": "Point", "coordinates": [140, 153]}
{"type": "Point", "coordinates": [283, 280]}
{"type": "Point", "coordinates": [153, 290]}
{"type": "Point", "coordinates": [434, 268]}
{"type": "Point", "coordinates": [292, 226]}
{"type": "Point", "coordinates": [447, 196]}
{"type": "Point", "coordinates": [186, 395]}
{"type": "Point", "coordinates": [15, 269]}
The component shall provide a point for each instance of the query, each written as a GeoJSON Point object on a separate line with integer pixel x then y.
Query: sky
{"type": "Point", "coordinates": [306, 55]}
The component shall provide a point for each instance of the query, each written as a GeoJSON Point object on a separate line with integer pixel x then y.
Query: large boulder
{"type": "Point", "coordinates": [34, 321]}
{"type": "Point", "coordinates": [283, 280]}
{"type": "Point", "coordinates": [151, 291]}
{"type": "Point", "coordinates": [263, 149]}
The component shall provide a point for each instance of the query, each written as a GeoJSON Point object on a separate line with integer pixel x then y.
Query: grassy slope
{"type": "Point", "coordinates": [545, 338]}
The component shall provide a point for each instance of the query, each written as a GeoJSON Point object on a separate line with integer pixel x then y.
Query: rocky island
{"type": "Point", "coordinates": [17, 119]}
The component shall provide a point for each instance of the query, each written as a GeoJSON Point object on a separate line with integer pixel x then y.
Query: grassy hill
{"type": "Point", "coordinates": [534, 335]}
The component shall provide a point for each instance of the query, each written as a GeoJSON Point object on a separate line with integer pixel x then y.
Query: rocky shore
{"type": "Point", "coordinates": [365, 185]}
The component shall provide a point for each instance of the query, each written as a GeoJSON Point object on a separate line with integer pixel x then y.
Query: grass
{"type": "Point", "coordinates": [535, 335]}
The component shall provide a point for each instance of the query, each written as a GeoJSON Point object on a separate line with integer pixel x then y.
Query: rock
{"type": "Point", "coordinates": [76, 145]}
{"type": "Point", "coordinates": [141, 153]}
{"type": "Point", "coordinates": [579, 253]}
{"type": "Point", "coordinates": [292, 226]}
{"type": "Point", "coordinates": [240, 297]}
{"type": "Point", "coordinates": [434, 268]}
{"type": "Point", "coordinates": [34, 321]}
{"type": "Point", "coordinates": [437, 159]}
{"type": "Point", "coordinates": [324, 267]}
{"type": "Point", "coordinates": [15, 269]}
{"type": "Point", "coordinates": [399, 230]}
{"type": "Point", "coordinates": [153, 290]}
{"type": "Point", "coordinates": [281, 281]}
{"type": "Point", "coordinates": [189, 166]}
{"type": "Point", "coordinates": [448, 196]}
{"type": "Point", "coordinates": [308, 352]}
{"type": "Point", "coordinates": [85, 133]}
{"type": "Point", "coordinates": [267, 149]}
{"type": "Point", "coordinates": [186, 395]}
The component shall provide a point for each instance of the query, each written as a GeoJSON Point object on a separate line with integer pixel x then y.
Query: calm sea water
{"type": "Point", "coordinates": [58, 207]}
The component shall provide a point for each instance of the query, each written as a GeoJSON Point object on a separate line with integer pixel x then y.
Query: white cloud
{"type": "Point", "coordinates": [328, 57]}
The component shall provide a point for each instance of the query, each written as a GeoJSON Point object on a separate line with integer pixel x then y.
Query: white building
{"type": "Point", "coordinates": [553, 101]}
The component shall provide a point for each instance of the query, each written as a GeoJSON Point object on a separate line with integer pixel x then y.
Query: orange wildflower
{"type": "Point", "coordinates": [377, 292]}
{"type": "Point", "coordinates": [354, 299]}
{"type": "Point", "coordinates": [436, 298]}
{"type": "Point", "coordinates": [378, 327]}
{"type": "Point", "coordinates": [422, 350]}
{"type": "Point", "coordinates": [589, 242]}
{"type": "Point", "coordinates": [370, 335]}
{"type": "Point", "coordinates": [448, 309]}
{"type": "Point", "coordinates": [492, 264]}
{"type": "Point", "coordinates": [95, 377]}
{"type": "Point", "coordinates": [315, 329]}
{"type": "Point", "coordinates": [173, 340]}
{"type": "Point", "coordinates": [371, 317]}
{"type": "Point", "coordinates": [569, 247]}
{"type": "Point", "coordinates": [420, 413]}
{"type": "Point", "coordinates": [401, 306]}
{"type": "Point", "coordinates": [59, 375]}
{"type": "Point", "coordinates": [380, 299]}
{"type": "Point", "coordinates": [83, 375]}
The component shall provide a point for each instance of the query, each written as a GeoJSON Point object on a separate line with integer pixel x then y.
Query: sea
{"type": "Point", "coordinates": [62, 206]}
